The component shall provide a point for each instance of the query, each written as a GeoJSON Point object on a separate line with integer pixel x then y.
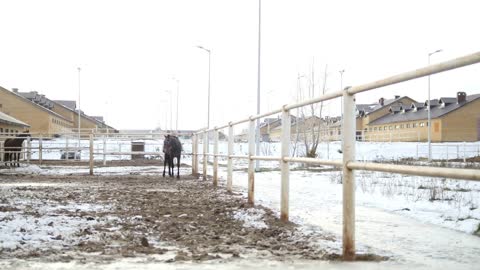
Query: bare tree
{"type": "Point", "coordinates": [310, 124]}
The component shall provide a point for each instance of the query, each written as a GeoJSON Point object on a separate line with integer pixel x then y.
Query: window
{"type": "Point", "coordinates": [6, 131]}
{"type": "Point", "coordinates": [414, 125]}
{"type": "Point", "coordinates": [375, 129]}
{"type": "Point", "coordinates": [385, 128]}
{"type": "Point", "coordinates": [397, 127]}
{"type": "Point", "coordinates": [1, 130]}
{"type": "Point", "coordinates": [402, 126]}
{"type": "Point", "coordinates": [408, 125]}
{"type": "Point", "coordinates": [390, 127]}
{"type": "Point", "coordinates": [422, 124]}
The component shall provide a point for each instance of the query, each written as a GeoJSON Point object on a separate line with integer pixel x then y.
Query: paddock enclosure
{"type": "Point", "coordinates": [217, 161]}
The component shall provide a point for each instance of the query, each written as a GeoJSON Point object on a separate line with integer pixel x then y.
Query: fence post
{"type": "Point", "coordinates": [104, 150]}
{"type": "Point", "coordinates": [196, 155]}
{"type": "Point", "coordinates": [40, 149]}
{"type": "Point", "coordinates": [348, 177]}
{"type": "Point", "coordinates": [251, 167]}
{"type": "Point", "coordinates": [91, 154]}
{"type": "Point", "coordinates": [230, 153]}
{"type": "Point", "coordinates": [205, 146]}
{"type": "Point", "coordinates": [284, 165]}
{"type": "Point", "coordinates": [215, 157]}
{"type": "Point", "coordinates": [66, 149]}
{"type": "Point", "coordinates": [29, 149]}
{"type": "Point", "coordinates": [2, 151]}
{"type": "Point", "coordinates": [193, 154]}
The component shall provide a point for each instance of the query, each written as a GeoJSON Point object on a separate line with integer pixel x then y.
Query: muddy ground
{"type": "Point", "coordinates": [139, 215]}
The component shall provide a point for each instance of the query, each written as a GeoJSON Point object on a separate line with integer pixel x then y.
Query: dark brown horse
{"type": "Point", "coordinates": [172, 148]}
{"type": "Point", "coordinates": [13, 148]}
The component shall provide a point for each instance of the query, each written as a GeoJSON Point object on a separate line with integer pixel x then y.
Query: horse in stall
{"type": "Point", "coordinates": [13, 148]}
{"type": "Point", "coordinates": [172, 148]}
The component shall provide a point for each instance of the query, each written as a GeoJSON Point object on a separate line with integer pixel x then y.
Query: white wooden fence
{"type": "Point", "coordinates": [348, 164]}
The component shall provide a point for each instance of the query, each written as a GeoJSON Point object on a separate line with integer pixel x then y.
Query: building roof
{"type": "Point", "coordinates": [7, 119]}
{"type": "Point", "coordinates": [16, 94]}
{"type": "Point", "coordinates": [71, 104]}
{"type": "Point", "coordinates": [98, 118]}
{"type": "Point", "coordinates": [439, 110]}
{"type": "Point", "coordinates": [365, 109]}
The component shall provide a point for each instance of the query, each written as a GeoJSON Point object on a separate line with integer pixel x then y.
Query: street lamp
{"type": "Point", "coordinates": [209, 58]}
{"type": "Point", "coordinates": [429, 123]}
{"type": "Point", "coordinates": [257, 138]}
{"type": "Point", "coordinates": [207, 143]}
{"type": "Point", "coordinates": [178, 94]}
{"type": "Point", "coordinates": [170, 93]}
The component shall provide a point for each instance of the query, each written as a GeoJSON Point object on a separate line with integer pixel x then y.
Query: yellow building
{"type": "Point", "coordinates": [37, 114]}
{"type": "Point", "coordinates": [453, 119]}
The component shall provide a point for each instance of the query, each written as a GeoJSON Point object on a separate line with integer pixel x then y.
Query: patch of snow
{"type": "Point", "coordinates": [251, 218]}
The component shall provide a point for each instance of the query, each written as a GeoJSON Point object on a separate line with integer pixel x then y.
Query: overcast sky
{"type": "Point", "coordinates": [129, 51]}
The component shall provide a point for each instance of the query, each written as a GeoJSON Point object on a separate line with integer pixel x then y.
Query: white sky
{"type": "Point", "coordinates": [130, 50]}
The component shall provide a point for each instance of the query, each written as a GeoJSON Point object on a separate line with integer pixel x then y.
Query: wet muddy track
{"type": "Point", "coordinates": [144, 215]}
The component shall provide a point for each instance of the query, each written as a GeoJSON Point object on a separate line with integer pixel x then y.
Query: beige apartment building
{"type": "Point", "coordinates": [46, 116]}
{"type": "Point", "coordinates": [38, 116]}
{"type": "Point", "coordinates": [453, 120]}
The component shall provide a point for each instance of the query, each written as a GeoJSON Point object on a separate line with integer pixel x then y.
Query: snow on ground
{"type": "Point", "coordinates": [43, 225]}
{"type": "Point", "coordinates": [251, 217]}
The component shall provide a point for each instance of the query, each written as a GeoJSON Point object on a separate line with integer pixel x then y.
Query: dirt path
{"type": "Point", "coordinates": [102, 218]}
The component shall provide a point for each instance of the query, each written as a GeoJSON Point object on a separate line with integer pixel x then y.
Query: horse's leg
{"type": "Point", "coordinates": [164, 164]}
{"type": "Point", "coordinates": [178, 167]}
{"type": "Point", "coordinates": [170, 167]}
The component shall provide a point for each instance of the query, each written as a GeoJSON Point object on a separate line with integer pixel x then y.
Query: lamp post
{"type": "Point", "coordinates": [79, 138]}
{"type": "Point", "coordinates": [170, 93]}
{"type": "Point", "coordinates": [178, 94]}
{"type": "Point", "coordinates": [209, 58]}
{"type": "Point", "coordinates": [208, 113]}
{"type": "Point", "coordinates": [429, 123]}
{"type": "Point", "coordinates": [257, 137]}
